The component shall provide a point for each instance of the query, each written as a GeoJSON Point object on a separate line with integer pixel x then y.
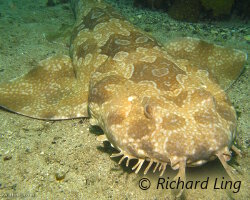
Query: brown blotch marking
{"type": "Point", "coordinates": [76, 30]}
{"type": "Point", "coordinates": [217, 133]}
{"type": "Point", "coordinates": [206, 56]}
{"type": "Point", "coordinates": [203, 141]}
{"type": "Point", "coordinates": [115, 118]}
{"type": "Point", "coordinates": [205, 117]}
{"type": "Point", "coordinates": [98, 94]}
{"type": "Point", "coordinates": [204, 48]}
{"type": "Point", "coordinates": [98, 15]}
{"type": "Point", "coordinates": [200, 94]}
{"type": "Point", "coordinates": [148, 147]}
{"type": "Point", "coordinates": [106, 66]}
{"type": "Point", "coordinates": [91, 22]}
{"type": "Point", "coordinates": [89, 46]}
{"type": "Point", "coordinates": [74, 34]}
{"type": "Point", "coordinates": [139, 128]}
{"type": "Point", "coordinates": [173, 122]}
{"type": "Point", "coordinates": [143, 71]}
{"type": "Point", "coordinates": [88, 22]}
{"type": "Point", "coordinates": [178, 100]}
{"type": "Point", "coordinates": [112, 46]}
{"type": "Point", "coordinates": [174, 145]}
{"type": "Point", "coordinates": [177, 145]}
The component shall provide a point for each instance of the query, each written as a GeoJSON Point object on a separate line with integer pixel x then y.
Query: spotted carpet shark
{"type": "Point", "coordinates": [158, 103]}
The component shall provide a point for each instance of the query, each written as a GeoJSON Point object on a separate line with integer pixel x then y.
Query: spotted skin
{"type": "Point", "coordinates": [165, 104]}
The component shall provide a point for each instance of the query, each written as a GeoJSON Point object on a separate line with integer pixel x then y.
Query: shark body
{"type": "Point", "coordinates": [165, 104]}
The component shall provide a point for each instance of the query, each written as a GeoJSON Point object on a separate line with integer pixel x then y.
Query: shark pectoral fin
{"type": "Point", "coordinates": [223, 63]}
{"type": "Point", "coordinates": [49, 91]}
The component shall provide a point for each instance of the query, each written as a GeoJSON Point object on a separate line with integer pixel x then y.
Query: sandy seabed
{"type": "Point", "coordinates": [62, 159]}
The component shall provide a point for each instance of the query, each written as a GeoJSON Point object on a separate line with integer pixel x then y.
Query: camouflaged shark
{"type": "Point", "coordinates": [164, 104]}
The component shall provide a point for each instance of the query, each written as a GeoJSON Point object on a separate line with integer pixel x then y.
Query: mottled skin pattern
{"type": "Point", "coordinates": [149, 105]}
{"type": "Point", "coordinates": [155, 103]}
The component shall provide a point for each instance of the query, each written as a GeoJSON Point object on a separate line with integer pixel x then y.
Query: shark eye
{"type": "Point", "coordinates": [148, 111]}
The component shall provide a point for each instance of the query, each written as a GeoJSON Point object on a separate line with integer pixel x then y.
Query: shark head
{"type": "Point", "coordinates": [165, 111]}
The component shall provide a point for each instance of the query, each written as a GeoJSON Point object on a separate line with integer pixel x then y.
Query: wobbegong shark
{"type": "Point", "coordinates": [160, 103]}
